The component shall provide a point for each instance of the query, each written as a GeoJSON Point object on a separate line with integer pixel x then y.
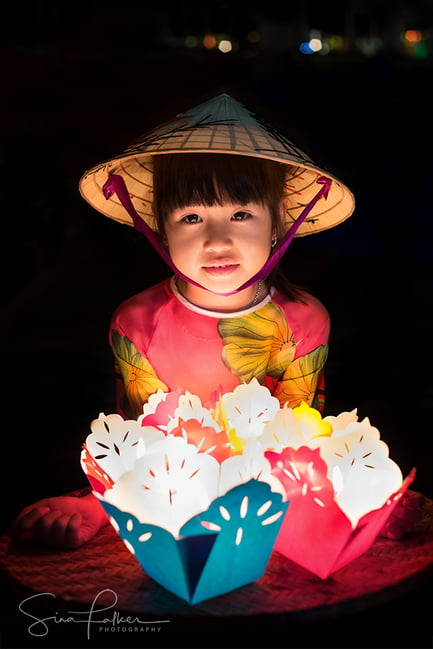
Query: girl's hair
{"type": "Point", "coordinates": [182, 179]}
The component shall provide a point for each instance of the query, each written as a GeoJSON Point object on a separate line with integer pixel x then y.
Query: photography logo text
{"type": "Point", "coordinates": [103, 618]}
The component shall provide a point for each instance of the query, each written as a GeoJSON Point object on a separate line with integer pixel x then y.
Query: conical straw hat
{"type": "Point", "coordinates": [220, 125]}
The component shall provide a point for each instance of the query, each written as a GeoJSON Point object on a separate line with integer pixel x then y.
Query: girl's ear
{"type": "Point", "coordinates": [283, 210]}
{"type": "Point", "coordinates": [282, 214]}
{"type": "Point", "coordinates": [278, 229]}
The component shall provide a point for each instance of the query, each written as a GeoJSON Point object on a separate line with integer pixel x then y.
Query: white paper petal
{"type": "Point", "coordinates": [341, 421]}
{"type": "Point", "coordinates": [149, 408]}
{"type": "Point", "coordinates": [116, 443]}
{"type": "Point", "coordinates": [282, 431]}
{"type": "Point", "coordinates": [190, 407]}
{"type": "Point", "coordinates": [360, 468]}
{"type": "Point", "coordinates": [169, 485]}
{"type": "Point", "coordinates": [249, 465]}
{"type": "Point", "coordinates": [249, 408]}
{"type": "Point", "coordinates": [363, 427]}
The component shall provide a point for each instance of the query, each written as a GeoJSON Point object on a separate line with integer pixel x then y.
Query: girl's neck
{"type": "Point", "coordinates": [245, 299]}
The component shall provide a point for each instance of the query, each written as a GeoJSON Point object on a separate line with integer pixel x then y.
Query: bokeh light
{"type": "Point", "coordinates": [225, 46]}
{"type": "Point", "coordinates": [209, 41]}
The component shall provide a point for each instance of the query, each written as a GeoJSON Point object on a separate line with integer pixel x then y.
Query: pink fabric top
{"type": "Point", "coordinates": [162, 341]}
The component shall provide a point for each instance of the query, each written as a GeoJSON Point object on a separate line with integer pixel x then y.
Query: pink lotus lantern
{"type": "Point", "coordinates": [202, 494]}
{"type": "Point", "coordinates": [340, 482]}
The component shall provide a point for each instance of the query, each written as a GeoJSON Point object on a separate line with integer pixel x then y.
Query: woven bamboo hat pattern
{"type": "Point", "coordinates": [220, 125]}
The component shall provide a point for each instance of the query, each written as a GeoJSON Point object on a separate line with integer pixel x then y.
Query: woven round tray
{"type": "Point", "coordinates": [104, 569]}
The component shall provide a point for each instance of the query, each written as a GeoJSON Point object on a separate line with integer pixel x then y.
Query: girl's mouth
{"type": "Point", "coordinates": [221, 269]}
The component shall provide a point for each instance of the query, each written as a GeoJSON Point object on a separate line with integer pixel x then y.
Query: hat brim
{"type": "Point", "coordinates": [221, 125]}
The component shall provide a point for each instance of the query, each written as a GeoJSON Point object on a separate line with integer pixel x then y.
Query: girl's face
{"type": "Point", "coordinates": [220, 247]}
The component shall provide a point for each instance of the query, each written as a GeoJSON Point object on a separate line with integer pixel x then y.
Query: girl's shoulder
{"type": "Point", "coordinates": [308, 319]}
{"type": "Point", "coordinates": [308, 305]}
{"type": "Point", "coordinates": [142, 306]}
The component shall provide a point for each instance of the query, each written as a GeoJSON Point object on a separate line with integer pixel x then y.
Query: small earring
{"type": "Point", "coordinates": [274, 241]}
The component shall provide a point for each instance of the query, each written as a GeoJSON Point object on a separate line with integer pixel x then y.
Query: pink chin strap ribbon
{"type": "Point", "coordinates": [116, 185]}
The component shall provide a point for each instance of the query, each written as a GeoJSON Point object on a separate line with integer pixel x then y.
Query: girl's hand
{"type": "Point", "coordinates": [63, 521]}
{"type": "Point", "coordinates": [406, 514]}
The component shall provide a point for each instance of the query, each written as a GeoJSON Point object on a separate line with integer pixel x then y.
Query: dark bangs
{"type": "Point", "coordinates": [181, 179]}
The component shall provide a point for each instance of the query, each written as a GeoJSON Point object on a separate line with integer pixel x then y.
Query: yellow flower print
{"type": "Point", "coordinates": [257, 345]}
{"type": "Point", "coordinates": [139, 377]}
{"type": "Point", "coordinates": [300, 379]}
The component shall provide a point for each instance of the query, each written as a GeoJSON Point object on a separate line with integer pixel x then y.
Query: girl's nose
{"type": "Point", "coordinates": [217, 237]}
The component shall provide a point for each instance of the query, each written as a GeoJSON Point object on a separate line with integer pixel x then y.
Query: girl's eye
{"type": "Point", "coordinates": [241, 216]}
{"type": "Point", "coordinates": [191, 218]}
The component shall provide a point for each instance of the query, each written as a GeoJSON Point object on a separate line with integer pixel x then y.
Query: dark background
{"type": "Point", "coordinates": [80, 82]}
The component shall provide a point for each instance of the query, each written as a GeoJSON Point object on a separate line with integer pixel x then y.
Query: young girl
{"type": "Point", "coordinates": [219, 216]}
{"type": "Point", "coordinates": [220, 194]}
